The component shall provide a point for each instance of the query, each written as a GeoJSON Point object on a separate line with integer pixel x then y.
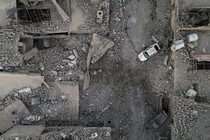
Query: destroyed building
{"type": "Point", "coordinates": [190, 106]}
{"type": "Point", "coordinates": [41, 67]}
{"type": "Point", "coordinates": [73, 69]}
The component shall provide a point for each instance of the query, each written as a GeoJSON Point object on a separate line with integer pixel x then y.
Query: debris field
{"type": "Point", "coordinates": [104, 70]}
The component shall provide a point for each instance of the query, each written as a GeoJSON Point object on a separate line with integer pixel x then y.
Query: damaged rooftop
{"type": "Point", "coordinates": [104, 70]}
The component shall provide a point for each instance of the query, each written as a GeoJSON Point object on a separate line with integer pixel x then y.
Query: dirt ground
{"type": "Point", "coordinates": [128, 87]}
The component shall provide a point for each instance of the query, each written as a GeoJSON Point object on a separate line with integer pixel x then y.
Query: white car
{"type": "Point", "coordinates": [191, 38]}
{"type": "Point", "coordinates": [150, 51]}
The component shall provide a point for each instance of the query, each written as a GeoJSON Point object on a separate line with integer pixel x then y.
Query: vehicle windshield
{"type": "Point", "coordinates": [146, 54]}
{"type": "Point", "coordinates": [156, 47]}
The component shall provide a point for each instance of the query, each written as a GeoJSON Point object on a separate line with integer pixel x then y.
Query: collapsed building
{"type": "Point", "coordinates": [41, 66]}
{"type": "Point", "coordinates": [191, 70]}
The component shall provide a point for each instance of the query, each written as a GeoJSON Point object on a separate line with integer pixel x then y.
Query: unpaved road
{"type": "Point", "coordinates": [124, 82]}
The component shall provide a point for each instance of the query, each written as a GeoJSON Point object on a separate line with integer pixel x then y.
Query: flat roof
{"type": "Point", "coordinates": [10, 81]}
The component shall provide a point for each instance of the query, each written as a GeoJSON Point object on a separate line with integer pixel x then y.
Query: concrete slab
{"type": "Point", "coordinates": [24, 131]}
{"type": "Point", "coordinates": [14, 111]}
{"type": "Point", "coordinates": [10, 81]}
{"type": "Point", "coordinates": [7, 11]}
{"type": "Point", "coordinates": [77, 17]}
{"type": "Point", "coordinates": [99, 46]}
{"type": "Point", "coordinates": [72, 92]}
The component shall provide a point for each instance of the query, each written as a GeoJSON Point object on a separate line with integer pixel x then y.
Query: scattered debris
{"type": "Point", "coordinates": [94, 135]}
{"type": "Point", "coordinates": [30, 119]}
{"type": "Point", "coordinates": [177, 45]}
{"type": "Point", "coordinates": [191, 45]}
{"type": "Point", "coordinates": [75, 53]}
{"type": "Point", "coordinates": [120, 12]}
{"type": "Point", "coordinates": [155, 123]}
{"type": "Point", "coordinates": [35, 101]}
{"type": "Point", "coordinates": [190, 41]}
{"type": "Point", "coordinates": [191, 38]}
{"type": "Point", "coordinates": [51, 39]}
{"type": "Point", "coordinates": [199, 18]}
{"type": "Point", "coordinates": [72, 57]}
{"type": "Point", "coordinates": [63, 135]}
{"type": "Point", "coordinates": [191, 93]}
{"type": "Point", "coordinates": [28, 55]}
{"type": "Point", "coordinates": [25, 90]}
{"type": "Point", "coordinates": [77, 132]}
{"type": "Point", "coordinates": [41, 65]}
{"type": "Point", "coordinates": [54, 72]}
{"type": "Point", "coordinates": [103, 110]}
{"type": "Point", "coordinates": [165, 62]}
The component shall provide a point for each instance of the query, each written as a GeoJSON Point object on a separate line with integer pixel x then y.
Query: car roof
{"type": "Point", "coordinates": [152, 50]}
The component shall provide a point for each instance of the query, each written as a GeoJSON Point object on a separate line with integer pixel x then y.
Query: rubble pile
{"type": "Point", "coordinates": [72, 65]}
{"type": "Point", "coordinates": [42, 106]}
{"type": "Point", "coordinates": [61, 67]}
{"type": "Point", "coordinates": [55, 109]}
{"type": "Point", "coordinates": [7, 37]}
{"type": "Point", "coordinates": [10, 58]}
{"type": "Point", "coordinates": [91, 8]}
{"type": "Point", "coordinates": [74, 133]}
{"type": "Point", "coordinates": [187, 113]}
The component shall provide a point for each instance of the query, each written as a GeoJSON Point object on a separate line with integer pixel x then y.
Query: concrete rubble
{"type": "Point", "coordinates": [69, 69]}
{"type": "Point", "coordinates": [82, 133]}
{"type": "Point", "coordinates": [42, 66]}
{"type": "Point", "coordinates": [191, 106]}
